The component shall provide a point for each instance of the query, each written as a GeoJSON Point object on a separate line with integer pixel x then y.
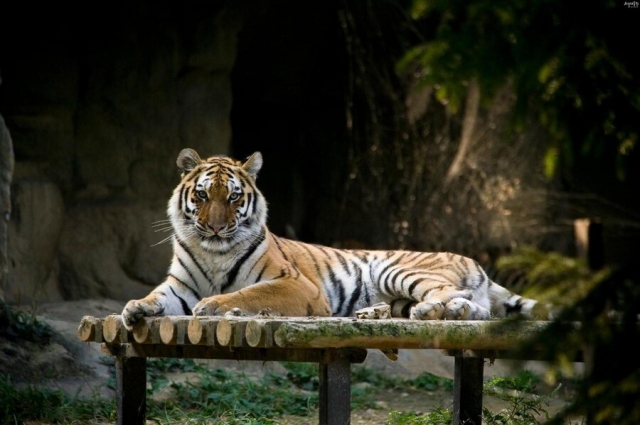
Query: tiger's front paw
{"type": "Point", "coordinates": [136, 310]}
{"type": "Point", "coordinates": [210, 307]}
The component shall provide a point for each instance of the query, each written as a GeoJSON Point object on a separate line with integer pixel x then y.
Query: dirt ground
{"type": "Point", "coordinates": [406, 400]}
{"type": "Point", "coordinates": [417, 401]}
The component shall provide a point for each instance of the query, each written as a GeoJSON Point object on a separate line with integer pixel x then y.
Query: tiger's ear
{"type": "Point", "coordinates": [253, 164]}
{"type": "Point", "coordinates": [188, 159]}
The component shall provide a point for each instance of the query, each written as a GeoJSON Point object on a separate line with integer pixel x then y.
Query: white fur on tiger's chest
{"type": "Point", "coordinates": [207, 271]}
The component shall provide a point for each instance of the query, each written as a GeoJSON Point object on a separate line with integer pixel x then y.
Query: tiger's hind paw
{"type": "Point", "coordinates": [427, 310]}
{"type": "Point", "coordinates": [458, 309]}
{"type": "Point", "coordinates": [463, 309]}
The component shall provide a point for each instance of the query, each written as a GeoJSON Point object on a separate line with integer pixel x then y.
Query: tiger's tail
{"type": "Point", "coordinates": [505, 303]}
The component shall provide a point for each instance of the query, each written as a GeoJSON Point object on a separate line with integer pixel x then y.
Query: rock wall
{"type": "Point", "coordinates": [6, 174]}
{"type": "Point", "coordinates": [98, 112]}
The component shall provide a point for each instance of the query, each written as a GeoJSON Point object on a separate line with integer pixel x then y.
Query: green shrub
{"type": "Point", "coordinates": [525, 407]}
{"type": "Point", "coordinates": [21, 326]}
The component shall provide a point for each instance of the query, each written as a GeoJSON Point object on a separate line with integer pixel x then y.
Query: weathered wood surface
{"type": "Point", "coordinates": [202, 331]}
{"type": "Point", "coordinates": [402, 333]}
{"type": "Point", "coordinates": [303, 332]}
{"type": "Point", "coordinates": [328, 355]}
{"type": "Point", "coordinates": [173, 330]}
{"type": "Point", "coordinates": [113, 329]}
{"type": "Point", "coordinates": [147, 331]}
{"type": "Point", "coordinates": [90, 329]}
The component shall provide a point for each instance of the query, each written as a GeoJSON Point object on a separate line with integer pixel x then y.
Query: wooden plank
{"type": "Point", "coordinates": [467, 391]}
{"type": "Point", "coordinates": [402, 333]}
{"type": "Point", "coordinates": [316, 355]}
{"type": "Point", "coordinates": [131, 387]}
{"type": "Point", "coordinates": [313, 332]}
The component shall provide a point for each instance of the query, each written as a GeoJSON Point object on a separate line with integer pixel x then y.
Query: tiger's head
{"type": "Point", "coordinates": [217, 201]}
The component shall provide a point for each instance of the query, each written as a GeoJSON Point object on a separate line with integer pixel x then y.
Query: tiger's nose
{"type": "Point", "coordinates": [216, 227]}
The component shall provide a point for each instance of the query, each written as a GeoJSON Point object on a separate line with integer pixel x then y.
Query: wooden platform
{"type": "Point", "coordinates": [333, 343]}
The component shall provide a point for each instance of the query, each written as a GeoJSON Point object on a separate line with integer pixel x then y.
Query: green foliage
{"type": "Point", "coordinates": [525, 407]}
{"type": "Point", "coordinates": [424, 381]}
{"type": "Point", "coordinates": [303, 375]}
{"type": "Point", "coordinates": [436, 417]}
{"type": "Point", "coordinates": [375, 378]}
{"type": "Point", "coordinates": [18, 405]}
{"type": "Point", "coordinates": [220, 392]}
{"type": "Point", "coordinates": [157, 369]}
{"type": "Point", "coordinates": [606, 304]}
{"type": "Point", "coordinates": [564, 72]}
{"type": "Point", "coordinates": [430, 382]}
{"type": "Point", "coordinates": [362, 397]}
{"type": "Point", "coordinates": [524, 380]}
{"type": "Point", "coordinates": [553, 277]}
{"type": "Point", "coordinates": [20, 325]}
{"type": "Point", "coordinates": [162, 365]}
{"type": "Point", "coordinates": [173, 415]}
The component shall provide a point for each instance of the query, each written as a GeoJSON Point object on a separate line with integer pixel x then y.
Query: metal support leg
{"type": "Point", "coordinates": [467, 391]}
{"type": "Point", "coordinates": [131, 390]}
{"type": "Point", "coordinates": [335, 392]}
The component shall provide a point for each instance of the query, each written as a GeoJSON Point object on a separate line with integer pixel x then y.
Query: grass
{"type": "Point", "coordinates": [222, 392]}
{"type": "Point", "coordinates": [438, 416]}
{"type": "Point", "coordinates": [20, 404]}
{"type": "Point", "coordinates": [232, 398]}
{"type": "Point", "coordinates": [525, 406]}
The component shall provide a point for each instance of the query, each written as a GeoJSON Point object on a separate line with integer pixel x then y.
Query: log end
{"type": "Point", "coordinates": [141, 331]}
{"type": "Point", "coordinates": [195, 332]}
{"type": "Point", "coordinates": [254, 333]}
{"type": "Point", "coordinates": [112, 327]}
{"type": "Point", "coordinates": [87, 328]}
{"type": "Point", "coordinates": [224, 332]}
{"type": "Point", "coordinates": [168, 331]}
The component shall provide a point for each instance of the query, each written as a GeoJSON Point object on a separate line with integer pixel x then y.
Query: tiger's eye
{"type": "Point", "coordinates": [234, 196]}
{"type": "Point", "coordinates": [202, 194]}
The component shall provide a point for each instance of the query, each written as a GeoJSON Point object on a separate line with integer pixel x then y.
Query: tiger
{"type": "Point", "coordinates": [225, 258]}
